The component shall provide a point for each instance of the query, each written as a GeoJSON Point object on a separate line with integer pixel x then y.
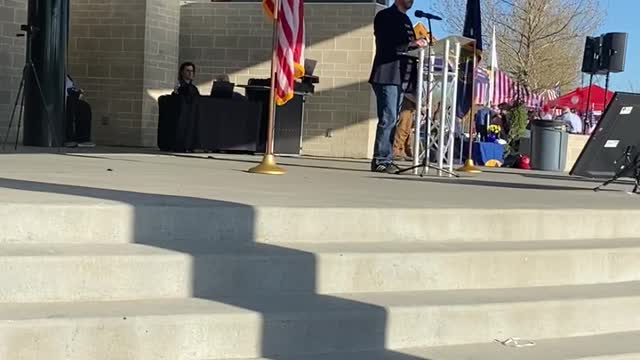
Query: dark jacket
{"type": "Point", "coordinates": [393, 31]}
{"type": "Point", "coordinates": [186, 88]}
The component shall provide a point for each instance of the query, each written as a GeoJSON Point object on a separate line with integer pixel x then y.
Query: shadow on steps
{"type": "Point", "coordinates": [321, 324]}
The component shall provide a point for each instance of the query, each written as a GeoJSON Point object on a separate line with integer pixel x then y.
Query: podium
{"type": "Point", "coordinates": [439, 132]}
{"type": "Point", "coordinates": [289, 119]}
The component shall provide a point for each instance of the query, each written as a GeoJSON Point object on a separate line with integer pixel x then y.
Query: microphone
{"type": "Point", "coordinates": [422, 14]}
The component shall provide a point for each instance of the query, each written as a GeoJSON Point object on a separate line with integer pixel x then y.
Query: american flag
{"type": "Point", "coordinates": [551, 94]}
{"type": "Point", "coordinates": [290, 45]}
{"type": "Point", "coordinates": [482, 86]}
{"type": "Point", "coordinates": [505, 90]}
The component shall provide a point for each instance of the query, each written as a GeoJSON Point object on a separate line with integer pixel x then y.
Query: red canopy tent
{"type": "Point", "coordinates": [577, 99]}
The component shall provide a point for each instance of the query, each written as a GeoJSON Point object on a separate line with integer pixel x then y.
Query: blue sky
{"type": "Point", "coordinates": [621, 17]}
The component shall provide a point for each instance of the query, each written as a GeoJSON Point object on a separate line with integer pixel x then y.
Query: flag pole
{"type": "Point", "coordinates": [492, 78]}
{"type": "Point", "coordinates": [469, 166]}
{"type": "Point", "coordinates": [268, 165]}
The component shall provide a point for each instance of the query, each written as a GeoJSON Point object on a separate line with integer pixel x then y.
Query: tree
{"type": "Point", "coordinates": [539, 42]}
{"type": "Point", "coordinates": [518, 119]}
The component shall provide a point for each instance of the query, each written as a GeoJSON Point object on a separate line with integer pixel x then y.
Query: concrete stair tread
{"type": "Point", "coordinates": [82, 250]}
{"type": "Point", "coordinates": [102, 272]}
{"type": "Point", "coordinates": [619, 346]}
{"type": "Point", "coordinates": [461, 247]}
{"type": "Point", "coordinates": [309, 303]}
{"type": "Point", "coordinates": [253, 326]}
{"type": "Point", "coordinates": [139, 216]}
{"type": "Point", "coordinates": [293, 249]}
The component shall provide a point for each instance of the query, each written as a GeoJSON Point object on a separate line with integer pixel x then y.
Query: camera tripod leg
{"type": "Point", "coordinates": [448, 172]}
{"type": "Point", "coordinates": [606, 183]}
{"type": "Point", "coordinates": [615, 178]}
{"type": "Point", "coordinates": [19, 96]}
{"type": "Point", "coordinates": [19, 124]}
{"type": "Point", "coordinates": [636, 179]}
{"type": "Point", "coordinates": [425, 169]}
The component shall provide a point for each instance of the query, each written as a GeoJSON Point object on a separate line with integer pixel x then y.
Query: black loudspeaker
{"type": "Point", "coordinates": [614, 49]}
{"type": "Point", "coordinates": [590, 60]}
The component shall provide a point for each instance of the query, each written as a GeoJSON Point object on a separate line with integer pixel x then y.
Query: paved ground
{"type": "Point", "coordinates": [27, 177]}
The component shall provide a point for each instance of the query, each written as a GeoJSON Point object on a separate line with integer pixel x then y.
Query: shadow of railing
{"type": "Point", "coordinates": [230, 267]}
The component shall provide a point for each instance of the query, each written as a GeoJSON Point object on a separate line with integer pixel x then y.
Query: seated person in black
{"type": "Point", "coordinates": [78, 117]}
{"type": "Point", "coordinates": [187, 97]}
{"type": "Point", "coordinates": [223, 88]}
{"type": "Point", "coordinates": [185, 85]}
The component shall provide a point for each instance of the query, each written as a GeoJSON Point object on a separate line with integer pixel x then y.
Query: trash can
{"type": "Point", "coordinates": [549, 140]}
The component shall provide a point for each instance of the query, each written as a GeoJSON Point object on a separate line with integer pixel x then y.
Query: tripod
{"type": "Point", "coordinates": [634, 164]}
{"type": "Point", "coordinates": [425, 160]}
{"type": "Point", "coordinates": [28, 66]}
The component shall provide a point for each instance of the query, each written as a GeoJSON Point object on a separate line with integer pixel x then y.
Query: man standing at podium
{"type": "Point", "coordinates": [391, 76]}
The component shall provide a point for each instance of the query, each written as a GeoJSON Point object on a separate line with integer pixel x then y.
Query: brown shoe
{"type": "Point", "coordinates": [402, 158]}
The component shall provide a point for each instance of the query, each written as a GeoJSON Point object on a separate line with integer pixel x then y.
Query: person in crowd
{"type": "Point", "coordinates": [502, 119]}
{"type": "Point", "coordinates": [391, 74]}
{"type": "Point", "coordinates": [222, 87]}
{"type": "Point", "coordinates": [185, 84]}
{"type": "Point", "coordinates": [402, 139]}
{"type": "Point", "coordinates": [547, 113]}
{"type": "Point", "coordinates": [186, 134]}
{"type": "Point", "coordinates": [591, 121]}
{"type": "Point", "coordinates": [406, 121]}
{"type": "Point", "coordinates": [572, 120]}
{"type": "Point", "coordinates": [481, 120]}
{"type": "Point", "coordinates": [78, 117]}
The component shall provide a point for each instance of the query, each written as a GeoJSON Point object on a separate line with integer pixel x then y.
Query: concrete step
{"type": "Point", "coordinates": [98, 272]}
{"type": "Point", "coordinates": [614, 346]}
{"type": "Point", "coordinates": [71, 272]}
{"type": "Point", "coordinates": [272, 326]}
{"type": "Point", "coordinates": [153, 221]}
{"type": "Point", "coordinates": [415, 266]}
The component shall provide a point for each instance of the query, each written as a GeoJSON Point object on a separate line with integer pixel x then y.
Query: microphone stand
{"type": "Point", "coordinates": [425, 160]}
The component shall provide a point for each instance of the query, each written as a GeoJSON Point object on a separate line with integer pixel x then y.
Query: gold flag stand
{"type": "Point", "coordinates": [268, 165]}
{"type": "Point", "coordinates": [469, 166]}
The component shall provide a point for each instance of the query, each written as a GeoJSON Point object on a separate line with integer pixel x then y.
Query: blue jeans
{"type": "Point", "coordinates": [388, 99]}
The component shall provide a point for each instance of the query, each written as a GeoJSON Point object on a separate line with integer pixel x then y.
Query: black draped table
{"type": "Point", "coordinates": [228, 124]}
{"type": "Point", "coordinates": [208, 123]}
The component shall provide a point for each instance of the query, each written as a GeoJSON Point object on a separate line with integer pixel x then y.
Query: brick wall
{"type": "Point", "coordinates": [124, 54]}
{"type": "Point", "coordinates": [341, 38]}
{"type": "Point", "coordinates": [106, 56]}
{"type": "Point", "coordinates": [160, 61]}
{"type": "Point", "coordinates": [235, 39]}
{"type": "Point", "coordinates": [118, 51]}
{"type": "Point", "coordinates": [12, 14]}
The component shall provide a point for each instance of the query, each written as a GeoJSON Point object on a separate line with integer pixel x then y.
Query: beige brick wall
{"type": "Point", "coordinates": [160, 61]}
{"type": "Point", "coordinates": [235, 38]}
{"type": "Point", "coordinates": [117, 51]}
{"type": "Point", "coordinates": [125, 54]}
{"type": "Point", "coordinates": [12, 14]}
{"type": "Point", "coordinates": [106, 56]}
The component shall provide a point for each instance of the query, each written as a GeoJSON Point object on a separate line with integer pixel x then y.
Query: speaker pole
{"type": "Point", "coordinates": [586, 110]}
{"type": "Point", "coordinates": [606, 89]}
